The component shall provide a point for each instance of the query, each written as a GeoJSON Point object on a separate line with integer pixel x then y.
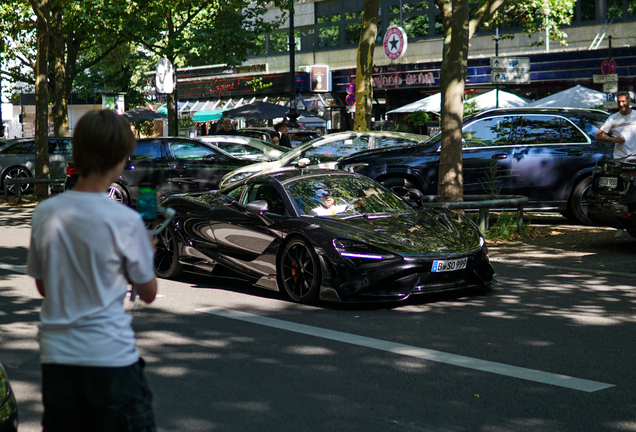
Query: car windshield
{"type": "Point", "coordinates": [343, 196]}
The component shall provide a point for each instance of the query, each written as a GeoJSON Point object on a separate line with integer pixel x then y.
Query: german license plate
{"type": "Point", "coordinates": [608, 182]}
{"type": "Point", "coordinates": [449, 265]}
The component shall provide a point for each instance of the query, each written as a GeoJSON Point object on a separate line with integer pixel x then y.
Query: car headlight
{"type": "Point", "coordinates": [239, 177]}
{"type": "Point", "coordinates": [355, 167]}
{"type": "Point", "coordinates": [360, 251]}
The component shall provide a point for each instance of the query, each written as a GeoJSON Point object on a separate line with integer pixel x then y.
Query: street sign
{"type": "Point", "coordinates": [609, 97]}
{"type": "Point", "coordinates": [512, 77]}
{"type": "Point", "coordinates": [610, 87]}
{"type": "Point", "coordinates": [510, 63]}
{"type": "Point", "coordinates": [608, 105]}
{"type": "Point", "coordinates": [602, 79]}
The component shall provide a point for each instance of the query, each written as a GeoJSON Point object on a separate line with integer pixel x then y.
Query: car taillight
{"type": "Point", "coordinates": [70, 171]}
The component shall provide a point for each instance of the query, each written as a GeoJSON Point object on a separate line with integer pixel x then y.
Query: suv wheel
{"type": "Point", "coordinates": [117, 193]}
{"type": "Point", "coordinates": [577, 206]}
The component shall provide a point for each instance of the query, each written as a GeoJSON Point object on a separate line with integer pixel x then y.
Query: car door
{"type": "Point", "coordinates": [244, 239]}
{"type": "Point", "coordinates": [548, 151]}
{"type": "Point", "coordinates": [326, 154]}
{"type": "Point", "coordinates": [148, 162]}
{"type": "Point", "coordinates": [60, 151]}
{"type": "Point", "coordinates": [487, 154]}
{"type": "Point", "coordinates": [197, 166]}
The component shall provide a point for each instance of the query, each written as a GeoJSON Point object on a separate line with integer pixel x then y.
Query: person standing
{"type": "Point", "coordinates": [226, 129]}
{"type": "Point", "coordinates": [622, 126]}
{"type": "Point", "coordinates": [281, 130]}
{"type": "Point", "coordinates": [85, 249]}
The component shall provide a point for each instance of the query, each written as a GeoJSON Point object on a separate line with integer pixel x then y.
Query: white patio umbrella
{"type": "Point", "coordinates": [485, 101]}
{"type": "Point", "coordinates": [575, 97]}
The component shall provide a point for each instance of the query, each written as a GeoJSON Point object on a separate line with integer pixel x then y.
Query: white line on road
{"type": "Point", "coordinates": [413, 351]}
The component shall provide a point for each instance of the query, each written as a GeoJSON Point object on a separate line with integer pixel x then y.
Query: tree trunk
{"type": "Point", "coordinates": [452, 80]}
{"type": "Point", "coordinates": [42, 99]}
{"type": "Point", "coordinates": [60, 117]}
{"type": "Point", "coordinates": [364, 71]}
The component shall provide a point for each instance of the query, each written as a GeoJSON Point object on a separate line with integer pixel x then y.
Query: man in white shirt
{"type": "Point", "coordinates": [620, 128]}
{"type": "Point", "coordinates": [327, 205]}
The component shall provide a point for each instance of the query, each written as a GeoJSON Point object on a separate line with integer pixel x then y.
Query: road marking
{"type": "Point", "coordinates": [551, 267]}
{"type": "Point", "coordinates": [413, 351]}
{"type": "Point", "coordinates": [13, 268]}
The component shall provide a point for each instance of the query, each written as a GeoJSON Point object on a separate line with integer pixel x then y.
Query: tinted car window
{"type": "Point", "coordinates": [239, 150]}
{"type": "Point", "coordinates": [494, 131]}
{"type": "Point", "coordinates": [60, 146]}
{"type": "Point", "coordinates": [148, 151]}
{"type": "Point", "coordinates": [386, 141]}
{"type": "Point", "coordinates": [570, 133]}
{"type": "Point", "coordinates": [589, 123]}
{"type": "Point", "coordinates": [235, 193]}
{"type": "Point", "coordinates": [537, 129]}
{"type": "Point", "coordinates": [190, 151]}
{"type": "Point", "coordinates": [267, 193]}
{"type": "Point", "coordinates": [24, 147]}
{"type": "Point", "coordinates": [332, 151]}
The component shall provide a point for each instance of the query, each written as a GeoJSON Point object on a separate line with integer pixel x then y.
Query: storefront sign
{"type": "Point", "coordinates": [395, 42]}
{"type": "Point", "coordinates": [399, 80]}
{"type": "Point", "coordinates": [245, 86]}
{"type": "Point", "coordinates": [319, 78]}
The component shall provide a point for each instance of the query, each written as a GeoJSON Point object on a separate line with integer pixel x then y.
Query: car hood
{"type": "Point", "coordinates": [431, 231]}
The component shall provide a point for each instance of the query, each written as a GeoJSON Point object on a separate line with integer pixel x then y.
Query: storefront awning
{"type": "Point", "coordinates": [208, 115]}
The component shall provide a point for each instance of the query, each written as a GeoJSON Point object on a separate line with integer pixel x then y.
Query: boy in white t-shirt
{"type": "Point", "coordinates": [85, 249]}
{"type": "Point", "coordinates": [622, 127]}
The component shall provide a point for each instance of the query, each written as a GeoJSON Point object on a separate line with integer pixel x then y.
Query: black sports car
{"type": "Point", "coordinates": [612, 200]}
{"type": "Point", "coordinates": [323, 234]}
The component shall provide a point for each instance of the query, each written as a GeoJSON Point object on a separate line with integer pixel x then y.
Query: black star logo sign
{"type": "Point", "coordinates": [394, 43]}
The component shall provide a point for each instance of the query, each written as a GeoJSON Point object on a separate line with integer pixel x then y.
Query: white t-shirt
{"type": "Point", "coordinates": [625, 126]}
{"type": "Point", "coordinates": [82, 246]}
{"type": "Point", "coordinates": [333, 210]}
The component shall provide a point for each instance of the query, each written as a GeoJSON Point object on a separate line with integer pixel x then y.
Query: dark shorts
{"type": "Point", "coordinates": [99, 399]}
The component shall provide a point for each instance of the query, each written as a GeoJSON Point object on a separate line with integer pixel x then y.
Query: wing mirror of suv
{"type": "Point", "coordinates": [303, 163]}
{"type": "Point", "coordinates": [257, 207]}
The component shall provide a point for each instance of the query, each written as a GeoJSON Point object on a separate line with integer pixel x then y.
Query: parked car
{"type": "Point", "coordinates": [8, 405]}
{"type": "Point", "coordinates": [546, 154]}
{"type": "Point", "coordinates": [273, 230]}
{"type": "Point", "coordinates": [17, 159]}
{"type": "Point", "coordinates": [612, 200]}
{"type": "Point", "coordinates": [324, 152]}
{"type": "Point", "coordinates": [171, 164]}
{"type": "Point", "coordinates": [243, 147]}
{"type": "Point", "coordinates": [296, 136]}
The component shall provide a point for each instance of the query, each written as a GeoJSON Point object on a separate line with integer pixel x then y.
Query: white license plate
{"type": "Point", "coordinates": [449, 265]}
{"type": "Point", "coordinates": [608, 182]}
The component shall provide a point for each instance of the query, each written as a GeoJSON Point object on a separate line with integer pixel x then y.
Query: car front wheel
{"type": "Point", "coordinates": [117, 193]}
{"type": "Point", "coordinates": [299, 271]}
{"type": "Point", "coordinates": [167, 263]}
{"type": "Point", "coordinates": [578, 201]}
{"type": "Point", "coordinates": [15, 173]}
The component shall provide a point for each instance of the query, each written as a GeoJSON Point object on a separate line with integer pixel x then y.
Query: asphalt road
{"type": "Point", "coordinates": [550, 349]}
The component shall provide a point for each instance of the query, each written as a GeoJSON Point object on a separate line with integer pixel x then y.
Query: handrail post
{"type": "Point", "coordinates": [483, 220]}
{"type": "Point", "coordinates": [519, 219]}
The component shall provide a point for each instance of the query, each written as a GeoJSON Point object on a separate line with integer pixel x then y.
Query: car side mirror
{"type": "Point", "coordinates": [303, 163]}
{"type": "Point", "coordinates": [257, 208]}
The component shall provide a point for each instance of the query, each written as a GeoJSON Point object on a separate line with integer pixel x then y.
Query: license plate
{"type": "Point", "coordinates": [608, 182]}
{"type": "Point", "coordinates": [449, 265]}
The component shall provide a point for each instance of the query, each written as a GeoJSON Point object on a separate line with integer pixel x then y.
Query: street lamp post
{"type": "Point", "coordinates": [292, 114]}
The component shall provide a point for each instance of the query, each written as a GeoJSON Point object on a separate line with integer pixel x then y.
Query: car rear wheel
{"type": "Point", "coordinates": [15, 173]}
{"type": "Point", "coordinates": [167, 263]}
{"type": "Point", "coordinates": [117, 193]}
{"type": "Point", "coordinates": [299, 271]}
{"type": "Point", "coordinates": [577, 206]}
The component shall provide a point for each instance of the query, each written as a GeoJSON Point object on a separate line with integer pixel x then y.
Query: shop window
{"type": "Point", "coordinates": [414, 26]}
{"type": "Point", "coordinates": [631, 7]}
{"type": "Point", "coordinates": [439, 24]}
{"type": "Point", "coordinates": [329, 36]}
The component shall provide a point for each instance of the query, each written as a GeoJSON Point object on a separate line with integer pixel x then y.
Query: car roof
{"type": "Point", "coordinates": [291, 175]}
{"type": "Point", "coordinates": [538, 110]}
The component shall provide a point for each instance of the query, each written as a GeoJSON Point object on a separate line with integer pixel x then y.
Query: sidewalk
{"type": "Point", "coordinates": [594, 249]}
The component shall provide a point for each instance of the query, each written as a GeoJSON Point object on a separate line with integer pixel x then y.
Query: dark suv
{"type": "Point", "coordinates": [172, 164]}
{"type": "Point", "coordinates": [546, 154]}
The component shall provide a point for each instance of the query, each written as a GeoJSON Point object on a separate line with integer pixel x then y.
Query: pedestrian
{"type": "Point", "coordinates": [622, 126]}
{"type": "Point", "coordinates": [281, 131]}
{"type": "Point", "coordinates": [85, 249]}
{"type": "Point", "coordinates": [226, 129]}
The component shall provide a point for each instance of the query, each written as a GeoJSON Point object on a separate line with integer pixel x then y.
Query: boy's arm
{"type": "Point", "coordinates": [39, 283]}
{"type": "Point", "coordinates": [147, 291]}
